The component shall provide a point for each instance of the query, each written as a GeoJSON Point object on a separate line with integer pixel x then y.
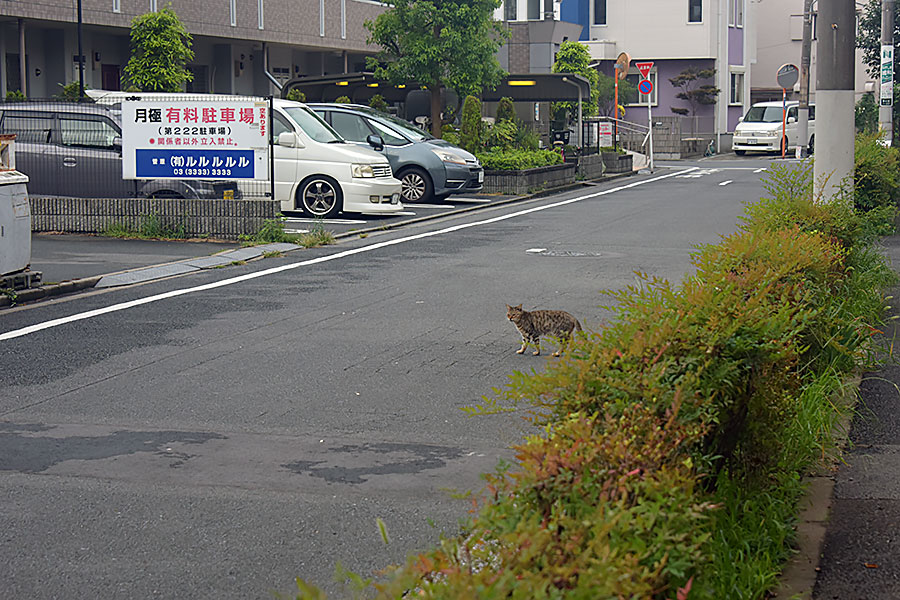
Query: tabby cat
{"type": "Point", "coordinates": [533, 324]}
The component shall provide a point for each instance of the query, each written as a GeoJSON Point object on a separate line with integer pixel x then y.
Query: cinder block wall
{"type": "Point", "coordinates": [227, 219]}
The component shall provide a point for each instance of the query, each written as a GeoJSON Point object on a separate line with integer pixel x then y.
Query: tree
{"type": "Point", "coordinates": [573, 57]}
{"type": "Point", "coordinates": [438, 43]}
{"type": "Point", "coordinates": [606, 92]}
{"type": "Point", "coordinates": [866, 114]}
{"type": "Point", "coordinates": [160, 49]}
{"type": "Point", "coordinates": [692, 91]}
{"type": "Point", "coordinates": [869, 41]}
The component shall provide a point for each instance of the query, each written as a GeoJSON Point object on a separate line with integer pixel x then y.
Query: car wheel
{"type": "Point", "coordinates": [812, 143]}
{"type": "Point", "coordinates": [416, 185]}
{"type": "Point", "coordinates": [740, 152]}
{"type": "Point", "coordinates": [320, 196]}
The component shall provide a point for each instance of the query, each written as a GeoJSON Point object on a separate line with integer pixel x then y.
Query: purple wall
{"type": "Point", "coordinates": [735, 46]}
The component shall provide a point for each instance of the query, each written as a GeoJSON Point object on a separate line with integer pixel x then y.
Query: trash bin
{"type": "Point", "coordinates": [15, 213]}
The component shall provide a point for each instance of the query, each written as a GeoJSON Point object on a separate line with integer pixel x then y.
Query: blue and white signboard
{"type": "Point", "coordinates": [181, 139]}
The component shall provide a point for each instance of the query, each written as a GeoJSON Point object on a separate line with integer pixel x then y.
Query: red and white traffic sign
{"type": "Point", "coordinates": [644, 68]}
{"type": "Point", "coordinates": [645, 86]}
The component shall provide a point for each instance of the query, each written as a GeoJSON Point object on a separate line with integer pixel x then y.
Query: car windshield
{"type": "Point", "coordinates": [404, 127]}
{"type": "Point", "coordinates": [763, 114]}
{"type": "Point", "coordinates": [313, 125]}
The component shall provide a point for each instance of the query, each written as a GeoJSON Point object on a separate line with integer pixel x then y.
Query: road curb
{"type": "Point", "coordinates": [48, 291]}
{"type": "Point", "coordinates": [798, 578]}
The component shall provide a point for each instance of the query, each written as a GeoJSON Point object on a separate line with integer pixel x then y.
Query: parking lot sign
{"type": "Point", "coordinates": [196, 139]}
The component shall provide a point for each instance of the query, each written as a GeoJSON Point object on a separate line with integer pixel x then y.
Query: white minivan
{"type": "Point", "coordinates": [317, 172]}
{"type": "Point", "coordinates": [760, 129]}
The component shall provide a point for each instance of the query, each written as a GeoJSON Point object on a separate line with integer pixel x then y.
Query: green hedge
{"type": "Point", "coordinates": [504, 160]}
{"type": "Point", "coordinates": [672, 442]}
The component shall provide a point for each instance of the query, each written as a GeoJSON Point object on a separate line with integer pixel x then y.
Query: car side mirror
{"type": "Point", "coordinates": [792, 119]}
{"type": "Point", "coordinates": [376, 142]}
{"type": "Point", "coordinates": [740, 119]}
{"type": "Point", "coordinates": [289, 139]}
{"type": "Point", "coordinates": [117, 143]}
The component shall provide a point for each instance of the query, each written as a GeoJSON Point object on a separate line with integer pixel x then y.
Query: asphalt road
{"type": "Point", "coordinates": [219, 434]}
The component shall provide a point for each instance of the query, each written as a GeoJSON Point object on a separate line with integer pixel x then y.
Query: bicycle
{"type": "Point", "coordinates": [710, 148]}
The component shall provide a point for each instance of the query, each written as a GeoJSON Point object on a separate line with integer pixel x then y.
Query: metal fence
{"type": "Point", "coordinates": [74, 149]}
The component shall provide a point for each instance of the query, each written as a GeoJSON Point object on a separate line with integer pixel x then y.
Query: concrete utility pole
{"type": "Point", "coordinates": [886, 104]}
{"type": "Point", "coordinates": [805, 52]}
{"type": "Point", "coordinates": [836, 34]}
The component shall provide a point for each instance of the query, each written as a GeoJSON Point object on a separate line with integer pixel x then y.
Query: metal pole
{"type": "Point", "coordinates": [886, 104]}
{"type": "Point", "coordinates": [783, 122]}
{"type": "Point", "coordinates": [835, 96]}
{"type": "Point", "coordinates": [80, 57]}
{"type": "Point", "coordinates": [616, 110]}
{"type": "Point", "coordinates": [806, 49]}
{"type": "Point", "coordinates": [650, 122]}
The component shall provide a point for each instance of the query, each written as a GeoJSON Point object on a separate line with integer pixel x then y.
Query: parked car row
{"type": "Point", "coordinates": [328, 158]}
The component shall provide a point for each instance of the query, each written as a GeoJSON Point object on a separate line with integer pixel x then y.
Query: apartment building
{"type": "Point", "coordinates": [232, 41]}
{"type": "Point", "coordinates": [780, 42]}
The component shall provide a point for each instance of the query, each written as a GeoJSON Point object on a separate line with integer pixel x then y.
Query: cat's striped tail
{"type": "Point", "coordinates": [577, 325]}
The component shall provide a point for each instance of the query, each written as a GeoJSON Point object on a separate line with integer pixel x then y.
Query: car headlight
{"type": "Point", "coordinates": [450, 157]}
{"type": "Point", "coordinates": [362, 170]}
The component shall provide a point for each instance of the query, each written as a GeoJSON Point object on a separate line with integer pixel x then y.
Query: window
{"type": "Point", "coordinates": [232, 4]}
{"type": "Point", "coordinates": [86, 133]}
{"type": "Point", "coordinates": [739, 13]}
{"type": "Point", "coordinates": [737, 89]}
{"type": "Point", "coordinates": [812, 112]}
{"type": "Point", "coordinates": [279, 125]}
{"type": "Point", "coordinates": [599, 12]}
{"type": "Point", "coordinates": [351, 127]}
{"type": "Point", "coordinates": [117, 6]}
{"type": "Point", "coordinates": [389, 136]}
{"type": "Point", "coordinates": [511, 10]}
{"type": "Point", "coordinates": [259, 10]}
{"type": "Point", "coordinates": [321, 18]}
{"type": "Point", "coordinates": [200, 83]}
{"type": "Point", "coordinates": [152, 5]}
{"type": "Point", "coordinates": [35, 129]}
{"type": "Point", "coordinates": [695, 11]}
{"type": "Point", "coordinates": [534, 10]}
{"type": "Point", "coordinates": [634, 77]}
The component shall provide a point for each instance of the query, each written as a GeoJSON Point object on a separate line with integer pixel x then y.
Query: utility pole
{"type": "Point", "coordinates": [80, 56]}
{"type": "Point", "coordinates": [886, 105]}
{"type": "Point", "coordinates": [836, 33]}
{"type": "Point", "coordinates": [805, 51]}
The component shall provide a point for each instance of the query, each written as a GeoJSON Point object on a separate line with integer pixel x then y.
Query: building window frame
{"type": "Point", "coordinates": [321, 18]}
{"type": "Point", "coordinates": [532, 6]}
{"type": "Point", "coordinates": [232, 5]}
{"type": "Point", "coordinates": [511, 10]}
{"type": "Point", "coordinates": [260, 9]}
{"type": "Point", "coordinates": [644, 99]}
{"type": "Point", "coordinates": [737, 78]}
{"type": "Point", "coordinates": [695, 11]}
{"type": "Point", "coordinates": [117, 6]}
{"type": "Point", "coordinates": [739, 13]}
{"type": "Point", "coordinates": [153, 6]}
{"type": "Point", "coordinates": [599, 17]}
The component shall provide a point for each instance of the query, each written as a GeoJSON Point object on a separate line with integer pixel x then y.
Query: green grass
{"type": "Point", "coordinates": [150, 227]}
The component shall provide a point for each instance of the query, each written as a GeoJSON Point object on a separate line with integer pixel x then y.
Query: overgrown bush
{"type": "Point", "coordinates": [342, 100]}
{"type": "Point", "coordinates": [876, 174]}
{"type": "Point", "coordinates": [378, 103]}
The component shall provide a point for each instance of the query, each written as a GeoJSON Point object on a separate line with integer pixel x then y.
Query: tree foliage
{"type": "Point", "coordinates": [869, 37]}
{"type": "Point", "coordinates": [449, 43]}
{"type": "Point", "coordinates": [692, 91]}
{"type": "Point", "coordinates": [573, 57]}
{"type": "Point", "coordinates": [606, 93]}
{"type": "Point", "coordinates": [866, 114]}
{"type": "Point", "coordinates": [160, 49]}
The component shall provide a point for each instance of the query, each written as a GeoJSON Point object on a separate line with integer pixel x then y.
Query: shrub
{"type": "Point", "coordinates": [15, 95]}
{"type": "Point", "coordinates": [342, 100]}
{"type": "Point", "coordinates": [506, 111]}
{"type": "Point", "coordinates": [866, 114]}
{"type": "Point", "coordinates": [471, 129]}
{"type": "Point", "coordinates": [378, 103]}
{"type": "Point", "coordinates": [504, 160]}
{"type": "Point", "coordinates": [296, 95]}
{"type": "Point", "coordinates": [875, 174]}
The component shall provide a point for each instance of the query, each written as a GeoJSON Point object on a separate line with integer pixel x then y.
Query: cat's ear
{"type": "Point", "coordinates": [508, 307]}
{"type": "Point", "coordinates": [519, 307]}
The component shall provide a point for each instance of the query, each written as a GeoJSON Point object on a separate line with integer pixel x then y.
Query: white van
{"type": "Point", "coordinates": [316, 170]}
{"type": "Point", "coordinates": [760, 129]}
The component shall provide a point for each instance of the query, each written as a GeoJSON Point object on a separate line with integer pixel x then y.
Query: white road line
{"type": "Point", "coordinates": [461, 199]}
{"type": "Point", "coordinates": [760, 170]}
{"type": "Point", "coordinates": [418, 205]}
{"type": "Point", "coordinates": [726, 182]}
{"type": "Point", "coordinates": [291, 220]}
{"type": "Point", "coordinates": [321, 259]}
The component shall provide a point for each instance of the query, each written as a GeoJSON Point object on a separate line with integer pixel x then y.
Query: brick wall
{"type": "Point", "coordinates": [227, 219]}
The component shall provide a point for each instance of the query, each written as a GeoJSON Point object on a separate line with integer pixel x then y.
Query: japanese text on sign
{"type": "Point", "coordinates": [184, 139]}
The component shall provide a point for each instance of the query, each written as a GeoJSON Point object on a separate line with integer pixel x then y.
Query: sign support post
{"type": "Point", "coordinates": [646, 87]}
{"type": "Point", "coordinates": [786, 77]}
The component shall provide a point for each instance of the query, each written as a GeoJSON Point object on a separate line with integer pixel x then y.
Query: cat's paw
{"type": "Point", "coordinates": [522, 351]}
{"type": "Point", "coordinates": [537, 352]}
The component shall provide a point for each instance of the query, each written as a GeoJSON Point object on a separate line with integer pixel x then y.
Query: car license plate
{"type": "Point", "coordinates": [751, 141]}
{"type": "Point", "coordinates": [480, 176]}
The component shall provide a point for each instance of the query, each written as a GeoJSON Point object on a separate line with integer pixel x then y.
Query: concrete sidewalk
{"type": "Point", "coordinates": [861, 555]}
